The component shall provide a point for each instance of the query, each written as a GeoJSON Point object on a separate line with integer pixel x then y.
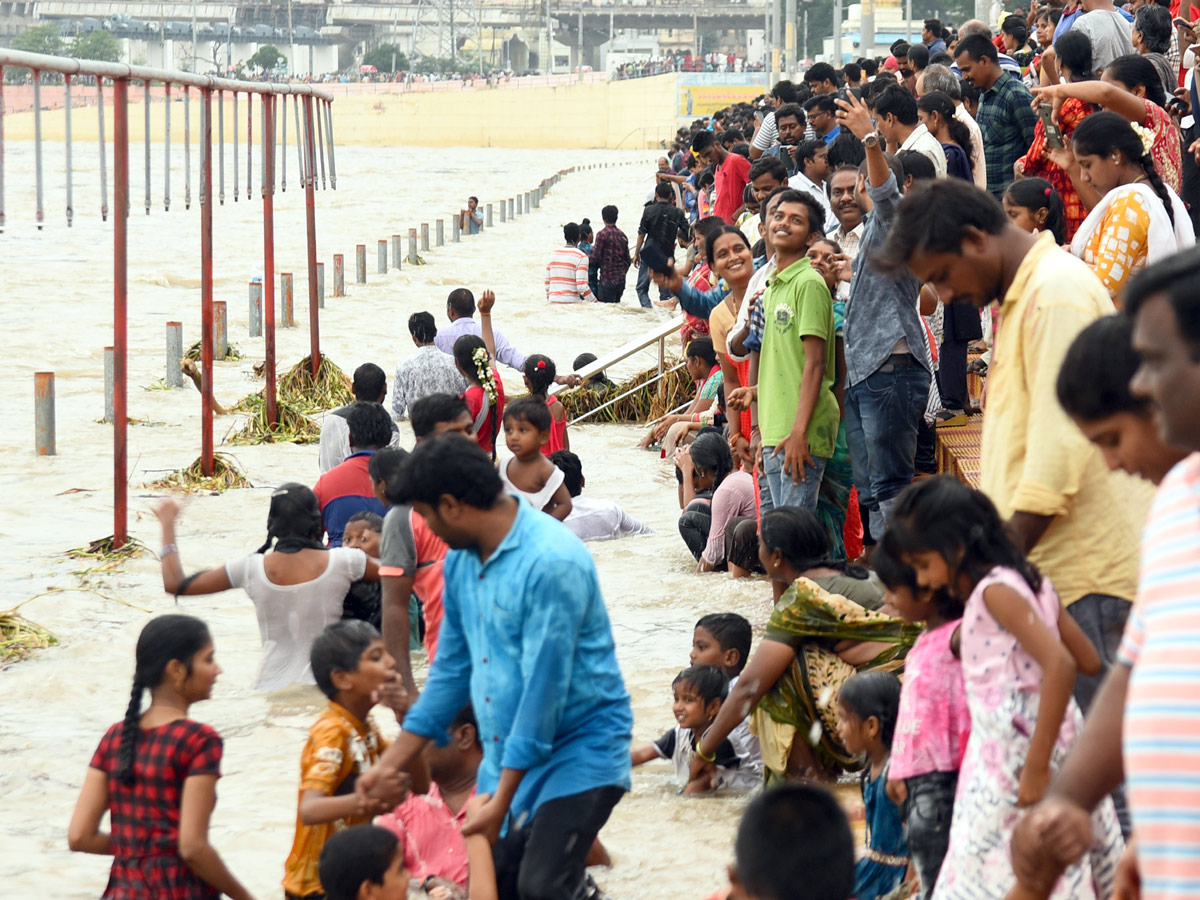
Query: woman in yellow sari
{"type": "Point", "coordinates": [829, 623]}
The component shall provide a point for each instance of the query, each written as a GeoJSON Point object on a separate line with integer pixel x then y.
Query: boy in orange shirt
{"type": "Point", "coordinates": [352, 668]}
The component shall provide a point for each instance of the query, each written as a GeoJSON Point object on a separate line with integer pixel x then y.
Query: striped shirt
{"type": "Point", "coordinates": [567, 276]}
{"type": "Point", "coordinates": [1162, 708]}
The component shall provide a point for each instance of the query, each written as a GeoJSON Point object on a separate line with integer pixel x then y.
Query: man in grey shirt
{"type": "Point", "coordinates": [887, 367]}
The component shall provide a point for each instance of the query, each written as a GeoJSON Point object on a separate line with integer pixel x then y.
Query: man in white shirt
{"type": "Point", "coordinates": [593, 520]}
{"type": "Point", "coordinates": [940, 78]}
{"type": "Point", "coordinates": [896, 119]}
{"type": "Point", "coordinates": [369, 386]}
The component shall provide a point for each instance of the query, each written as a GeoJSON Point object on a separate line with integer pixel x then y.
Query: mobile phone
{"type": "Point", "coordinates": [1054, 136]}
{"type": "Point", "coordinates": [1182, 23]}
{"type": "Point", "coordinates": [655, 259]}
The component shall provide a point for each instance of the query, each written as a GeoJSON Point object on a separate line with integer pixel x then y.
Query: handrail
{"type": "Point", "coordinates": [657, 335]}
{"type": "Point", "coordinates": [40, 62]}
{"type": "Point", "coordinates": [633, 390]}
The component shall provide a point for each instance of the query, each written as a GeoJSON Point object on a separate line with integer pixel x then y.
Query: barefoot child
{"type": "Point", "coordinates": [155, 774]}
{"type": "Point", "coordinates": [351, 667]}
{"type": "Point", "coordinates": [723, 640]}
{"type": "Point", "coordinates": [867, 705]}
{"type": "Point", "coordinates": [526, 430]}
{"type": "Point", "coordinates": [933, 724]}
{"type": "Point", "coordinates": [1020, 651]}
{"type": "Point", "coordinates": [539, 375]}
{"type": "Point", "coordinates": [699, 692]}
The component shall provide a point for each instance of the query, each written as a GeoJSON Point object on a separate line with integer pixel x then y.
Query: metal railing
{"type": "Point", "coordinates": [657, 336]}
{"type": "Point", "coordinates": [314, 139]}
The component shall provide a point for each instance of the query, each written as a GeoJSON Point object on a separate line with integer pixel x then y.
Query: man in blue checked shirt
{"type": "Point", "coordinates": [527, 641]}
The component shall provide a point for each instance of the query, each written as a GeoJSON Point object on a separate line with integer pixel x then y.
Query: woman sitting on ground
{"type": "Point", "coordinates": [829, 622]}
{"type": "Point", "coordinates": [706, 468]}
{"type": "Point", "coordinates": [296, 583]}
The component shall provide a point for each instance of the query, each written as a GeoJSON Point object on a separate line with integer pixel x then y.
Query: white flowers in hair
{"type": "Point", "coordinates": [483, 368]}
{"type": "Point", "coordinates": [1145, 135]}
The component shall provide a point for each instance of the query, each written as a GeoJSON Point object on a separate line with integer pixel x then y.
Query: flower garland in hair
{"type": "Point", "coordinates": [1145, 135]}
{"type": "Point", "coordinates": [483, 369]}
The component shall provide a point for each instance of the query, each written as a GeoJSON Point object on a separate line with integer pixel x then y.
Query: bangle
{"type": "Point", "coordinates": [168, 550]}
{"type": "Point", "coordinates": [700, 753]}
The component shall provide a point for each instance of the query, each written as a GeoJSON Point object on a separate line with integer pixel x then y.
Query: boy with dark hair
{"type": "Point", "coordinates": [822, 78]}
{"type": "Point", "coordinates": [896, 119]}
{"type": "Point", "coordinates": [428, 371]}
{"type": "Point", "coordinates": [794, 843]}
{"type": "Point", "coordinates": [723, 640]}
{"type": "Point", "coordinates": [591, 519]}
{"type": "Point", "coordinates": [369, 386]}
{"type": "Point", "coordinates": [664, 225]}
{"type": "Point", "coordinates": [553, 712]}
{"type": "Point", "coordinates": [351, 667]}
{"type": "Point", "coordinates": [362, 531]}
{"type": "Point", "coordinates": [769, 173]}
{"type": "Point", "coordinates": [731, 173]}
{"type": "Point", "coordinates": [1094, 389]}
{"type": "Point", "coordinates": [440, 414]}
{"type": "Point", "coordinates": [364, 862]}
{"type": "Point", "coordinates": [812, 169]}
{"type": "Point", "coordinates": [699, 692]}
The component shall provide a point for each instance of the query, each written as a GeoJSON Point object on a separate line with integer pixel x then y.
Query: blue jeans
{"type": "Point", "coordinates": [883, 413]}
{"type": "Point", "coordinates": [607, 292]}
{"type": "Point", "coordinates": [643, 287]}
{"type": "Point", "coordinates": [780, 487]}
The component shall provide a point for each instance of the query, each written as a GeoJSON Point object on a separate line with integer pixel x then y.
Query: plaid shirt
{"type": "Point", "coordinates": [1007, 121]}
{"type": "Point", "coordinates": [145, 817]}
{"type": "Point", "coordinates": [611, 254]}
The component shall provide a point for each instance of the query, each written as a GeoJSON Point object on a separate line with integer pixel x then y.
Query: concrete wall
{"type": "Point", "coordinates": [629, 115]}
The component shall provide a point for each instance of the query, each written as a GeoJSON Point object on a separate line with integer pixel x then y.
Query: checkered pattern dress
{"type": "Point", "coordinates": [145, 817]}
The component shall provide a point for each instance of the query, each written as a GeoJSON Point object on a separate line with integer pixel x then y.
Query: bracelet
{"type": "Point", "coordinates": [168, 550]}
{"type": "Point", "coordinates": [707, 759]}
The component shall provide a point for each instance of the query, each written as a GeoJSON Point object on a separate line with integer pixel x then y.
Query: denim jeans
{"type": "Point", "coordinates": [1102, 619]}
{"type": "Point", "coordinates": [779, 484]}
{"type": "Point", "coordinates": [643, 287]}
{"type": "Point", "coordinates": [927, 813]}
{"type": "Point", "coordinates": [883, 412]}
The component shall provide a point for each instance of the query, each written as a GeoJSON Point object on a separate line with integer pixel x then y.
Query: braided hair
{"type": "Point", "coordinates": [164, 639]}
{"type": "Point", "coordinates": [1103, 132]}
{"type": "Point", "coordinates": [471, 356]}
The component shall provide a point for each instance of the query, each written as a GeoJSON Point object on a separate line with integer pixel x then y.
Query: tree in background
{"type": "Point", "coordinates": [386, 58]}
{"type": "Point", "coordinates": [99, 45]}
{"type": "Point", "coordinates": [266, 58]}
{"type": "Point", "coordinates": [41, 39]}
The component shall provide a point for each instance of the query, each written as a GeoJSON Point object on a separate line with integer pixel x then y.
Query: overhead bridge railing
{"type": "Point", "coordinates": [655, 336]}
{"type": "Point", "coordinates": [313, 118]}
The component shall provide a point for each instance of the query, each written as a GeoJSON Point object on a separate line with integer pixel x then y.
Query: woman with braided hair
{"type": "Point", "coordinates": [155, 773]}
{"type": "Point", "coordinates": [297, 584]}
{"type": "Point", "coordinates": [1139, 220]}
{"type": "Point", "coordinates": [485, 390]}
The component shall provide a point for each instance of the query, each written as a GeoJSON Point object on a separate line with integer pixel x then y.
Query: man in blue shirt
{"type": "Point", "coordinates": [527, 641]}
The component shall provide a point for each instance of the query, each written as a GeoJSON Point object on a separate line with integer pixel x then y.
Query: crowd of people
{"type": "Point", "coordinates": [847, 241]}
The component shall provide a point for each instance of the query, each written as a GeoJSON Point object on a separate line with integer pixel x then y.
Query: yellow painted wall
{"type": "Point", "coordinates": [628, 115]}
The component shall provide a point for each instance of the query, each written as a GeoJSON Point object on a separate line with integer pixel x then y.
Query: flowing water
{"type": "Point", "coordinates": [57, 315]}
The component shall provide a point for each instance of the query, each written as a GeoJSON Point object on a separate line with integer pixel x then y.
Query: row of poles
{"type": "Point", "coordinates": [324, 155]}
{"type": "Point", "coordinates": [313, 116]}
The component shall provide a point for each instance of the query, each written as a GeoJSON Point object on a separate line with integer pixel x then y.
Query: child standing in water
{"type": "Point", "coordinates": [723, 640]}
{"type": "Point", "coordinates": [539, 375]}
{"type": "Point", "coordinates": [526, 431]}
{"type": "Point", "coordinates": [867, 705]}
{"type": "Point", "coordinates": [155, 773]}
{"type": "Point", "coordinates": [485, 390]}
{"type": "Point", "coordinates": [934, 724]}
{"type": "Point", "coordinates": [1020, 651]}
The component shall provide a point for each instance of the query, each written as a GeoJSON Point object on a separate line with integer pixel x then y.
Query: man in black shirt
{"type": "Point", "coordinates": [663, 223]}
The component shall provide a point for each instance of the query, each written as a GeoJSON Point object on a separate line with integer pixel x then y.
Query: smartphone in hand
{"type": "Point", "coordinates": [1054, 137]}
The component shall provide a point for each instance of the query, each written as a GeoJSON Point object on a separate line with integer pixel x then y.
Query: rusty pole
{"type": "Point", "coordinates": [120, 287]}
{"type": "Point", "coordinates": [206, 285]}
{"type": "Point", "coordinates": [310, 209]}
{"type": "Point", "coordinates": [268, 285]}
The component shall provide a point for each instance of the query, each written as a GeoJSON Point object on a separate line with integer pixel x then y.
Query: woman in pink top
{"type": "Point", "coordinates": [933, 723]}
{"type": "Point", "coordinates": [713, 495]}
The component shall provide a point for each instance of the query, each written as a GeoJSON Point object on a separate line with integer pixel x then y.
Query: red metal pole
{"type": "Point", "coordinates": [120, 285]}
{"type": "Point", "coordinates": [314, 327]}
{"type": "Point", "coordinates": [206, 284]}
{"type": "Point", "coordinates": [268, 295]}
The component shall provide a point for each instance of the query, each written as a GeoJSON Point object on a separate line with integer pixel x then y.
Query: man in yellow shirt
{"type": "Point", "coordinates": [1076, 521]}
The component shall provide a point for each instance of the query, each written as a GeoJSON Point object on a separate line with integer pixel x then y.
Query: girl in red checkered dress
{"type": "Point", "coordinates": [155, 773]}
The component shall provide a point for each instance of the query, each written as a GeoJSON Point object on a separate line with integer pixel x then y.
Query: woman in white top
{"type": "Point", "coordinates": [297, 588]}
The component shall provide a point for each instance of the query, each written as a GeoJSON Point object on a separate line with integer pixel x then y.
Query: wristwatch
{"type": "Point", "coordinates": [871, 140]}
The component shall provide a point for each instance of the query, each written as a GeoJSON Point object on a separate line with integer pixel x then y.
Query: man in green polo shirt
{"type": "Point", "coordinates": [797, 411]}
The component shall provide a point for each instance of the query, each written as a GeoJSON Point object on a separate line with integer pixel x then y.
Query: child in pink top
{"type": "Point", "coordinates": [933, 722]}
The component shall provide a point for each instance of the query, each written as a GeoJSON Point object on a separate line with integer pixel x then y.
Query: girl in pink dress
{"type": "Point", "coordinates": [1020, 651]}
